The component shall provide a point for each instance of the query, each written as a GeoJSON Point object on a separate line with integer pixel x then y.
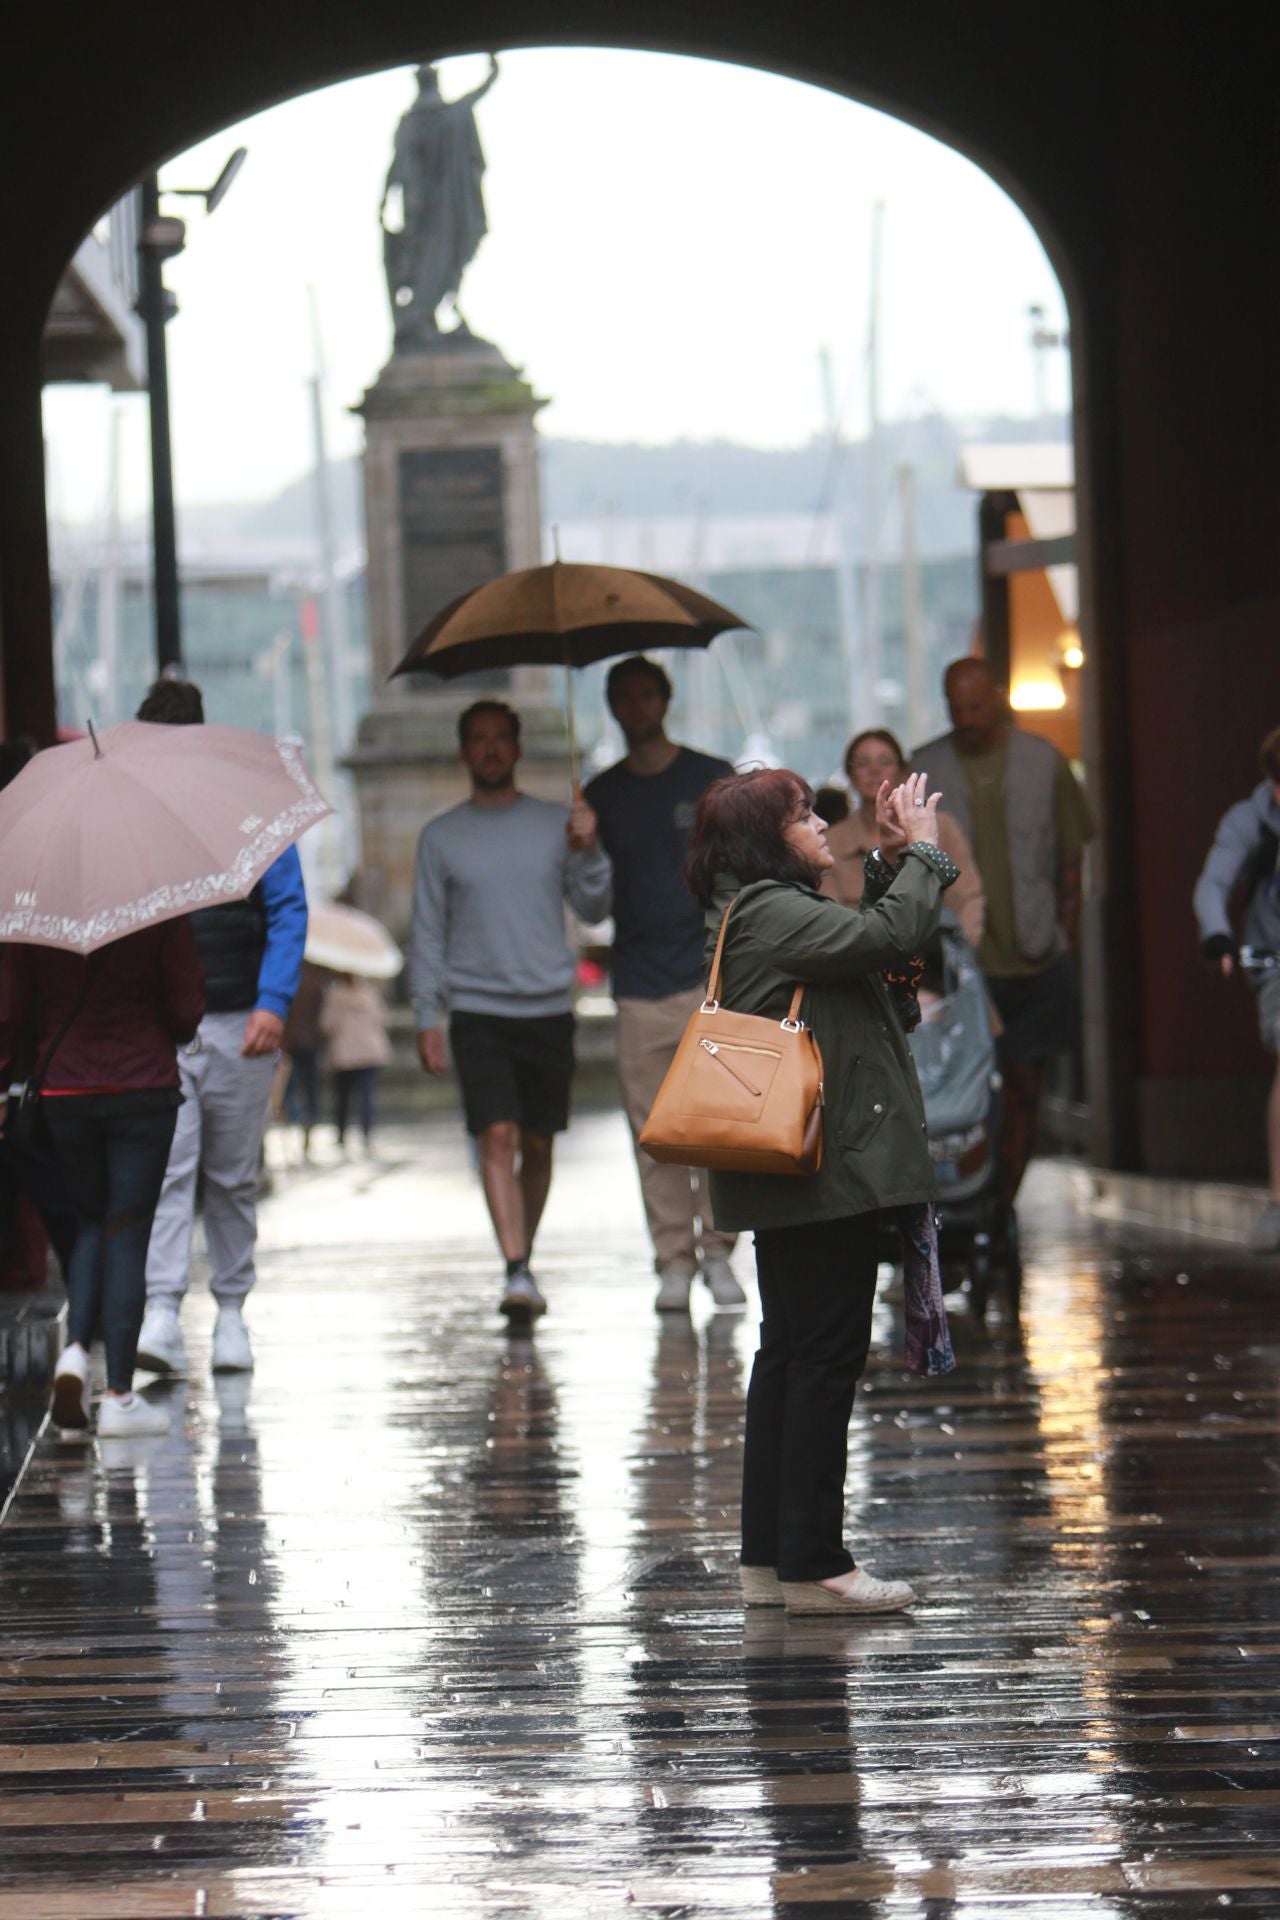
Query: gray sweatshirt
{"type": "Point", "coordinates": [488, 931]}
{"type": "Point", "coordinates": [1246, 843]}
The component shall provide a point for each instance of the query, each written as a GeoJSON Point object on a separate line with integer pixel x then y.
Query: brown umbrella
{"type": "Point", "coordinates": [564, 614]}
{"type": "Point", "coordinates": [101, 837]}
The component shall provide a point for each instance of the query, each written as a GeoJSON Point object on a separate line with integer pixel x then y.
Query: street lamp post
{"type": "Point", "coordinates": [160, 237]}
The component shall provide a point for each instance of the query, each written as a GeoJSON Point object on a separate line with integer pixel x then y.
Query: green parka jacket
{"type": "Point", "coordinates": [875, 1147]}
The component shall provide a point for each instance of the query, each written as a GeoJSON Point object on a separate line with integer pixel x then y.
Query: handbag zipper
{"type": "Point", "coordinates": [713, 1048]}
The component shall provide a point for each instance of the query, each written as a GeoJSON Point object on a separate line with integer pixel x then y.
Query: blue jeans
{"type": "Point", "coordinates": [363, 1083]}
{"type": "Point", "coordinates": [302, 1088]}
{"type": "Point", "coordinates": [113, 1161]}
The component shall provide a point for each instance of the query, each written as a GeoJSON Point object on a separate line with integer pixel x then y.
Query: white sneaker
{"type": "Point", "coordinates": [760, 1587]}
{"type": "Point", "coordinates": [861, 1593]}
{"type": "Point", "coordinates": [161, 1348]}
{"type": "Point", "coordinates": [70, 1408]}
{"type": "Point", "coordinates": [673, 1290]}
{"type": "Point", "coordinates": [522, 1299]}
{"type": "Point", "coordinates": [725, 1290]}
{"type": "Point", "coordinates": [231, 1350]}
{"type": "Point", "coordinates": [121, 1419]}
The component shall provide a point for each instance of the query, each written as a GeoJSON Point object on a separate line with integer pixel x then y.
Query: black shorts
{"type": "Point", "coordinates": [513, 1069]}
{"type": "Point", "coordinates": [1038, 1011]}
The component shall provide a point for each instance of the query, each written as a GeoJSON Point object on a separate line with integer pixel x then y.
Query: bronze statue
{"type": "Point", "coordinates": [437, 166]}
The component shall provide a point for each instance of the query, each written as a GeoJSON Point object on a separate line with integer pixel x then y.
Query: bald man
{"type": "Point", "coordinates": [1027, 821]}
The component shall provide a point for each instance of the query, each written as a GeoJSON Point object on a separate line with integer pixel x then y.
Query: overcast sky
{"type": "Point", "coordinates": [671, 242]}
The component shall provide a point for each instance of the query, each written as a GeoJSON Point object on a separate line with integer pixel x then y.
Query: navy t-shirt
{"type": "Point", "coordinates": [645, 822]}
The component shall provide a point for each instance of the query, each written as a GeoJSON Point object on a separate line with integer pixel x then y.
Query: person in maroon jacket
{"type": "Point", "coordinates": [107, 1029]}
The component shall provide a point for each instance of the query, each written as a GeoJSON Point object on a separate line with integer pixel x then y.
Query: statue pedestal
{"type": "Point", "coordinates": [451, 500]}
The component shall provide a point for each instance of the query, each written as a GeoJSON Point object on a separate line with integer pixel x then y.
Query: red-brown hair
{"type": "Point", "coordinates": [740, 829]}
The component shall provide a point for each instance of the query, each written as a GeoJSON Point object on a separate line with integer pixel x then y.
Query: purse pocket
{"type": "Point", "coordinates": [863, 1105]}
{"type": "Point", "coordinates": [729, 1079]}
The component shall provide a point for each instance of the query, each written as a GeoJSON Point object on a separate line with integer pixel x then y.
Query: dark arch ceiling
{"type": "Point", "coordinates": [81, 118]}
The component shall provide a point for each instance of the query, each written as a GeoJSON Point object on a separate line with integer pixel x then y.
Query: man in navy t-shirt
{"type": "Point", "coordinates": [645, 806]}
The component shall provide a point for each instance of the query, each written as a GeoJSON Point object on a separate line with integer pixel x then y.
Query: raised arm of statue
{"type": "Point", "coordinates": [478, 93]}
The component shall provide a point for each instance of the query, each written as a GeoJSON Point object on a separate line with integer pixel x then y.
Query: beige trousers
{"type": "Point", "coordinates": [677, 1205]}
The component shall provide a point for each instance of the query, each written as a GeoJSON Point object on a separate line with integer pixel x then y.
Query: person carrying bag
{"type": "Point", "coordinates": [743, 1094]}
{"type": "Point", "coordinates": [759, 847]}
{"type": "Point", "coordinates": [25, 1126]}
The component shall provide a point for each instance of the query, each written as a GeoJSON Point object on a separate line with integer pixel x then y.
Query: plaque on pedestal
{"type": "Point", "coordinates": [451, 500]}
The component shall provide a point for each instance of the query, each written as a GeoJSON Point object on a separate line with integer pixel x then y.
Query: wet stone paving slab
{"type": "Point", "coordinates": [424, 1619]}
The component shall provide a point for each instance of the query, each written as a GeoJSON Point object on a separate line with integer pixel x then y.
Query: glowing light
{"type": "Point", "coordinates": [1037, 696]}
{"type": "Point", "coordinates": [1073, 655]}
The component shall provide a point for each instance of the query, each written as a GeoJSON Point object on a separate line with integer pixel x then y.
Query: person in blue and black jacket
{"type": "Point", "coordinates": [251, 951]}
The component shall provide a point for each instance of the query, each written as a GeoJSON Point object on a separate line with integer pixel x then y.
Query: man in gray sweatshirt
{"type": "Point", "coordinates": [488, 944]}
{"type": "Point", "coordinates": [1245, 855]}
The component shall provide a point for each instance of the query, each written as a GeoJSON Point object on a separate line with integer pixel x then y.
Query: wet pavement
{"type": "Point", "coordinates": [428, 1620]}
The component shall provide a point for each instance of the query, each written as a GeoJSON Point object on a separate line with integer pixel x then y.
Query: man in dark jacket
{"type": "Point", "coordinates": [251, 951]}
{"type": "Point", "coordinates": [1246, 854]}
{"type": "Point", "coordinates": [645, 806]}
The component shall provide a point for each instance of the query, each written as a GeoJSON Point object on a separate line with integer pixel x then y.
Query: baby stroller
{"type": "Point", "coordinates": [955, 1058]}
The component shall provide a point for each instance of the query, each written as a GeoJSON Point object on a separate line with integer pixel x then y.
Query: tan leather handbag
{"type": "Point", "coordinates": [743, 1094]}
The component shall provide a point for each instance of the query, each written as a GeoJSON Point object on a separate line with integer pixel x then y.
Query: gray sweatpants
{"type": "Point", "coordinates": [220, 1128]}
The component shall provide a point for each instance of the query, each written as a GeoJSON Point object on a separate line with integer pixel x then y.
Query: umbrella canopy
{"type": "Point", "coordinates": [101, 837]}
{"type": "Point", "coordinates": [348, 941]}
{"type": "Point", "coordinates": [564, 614]}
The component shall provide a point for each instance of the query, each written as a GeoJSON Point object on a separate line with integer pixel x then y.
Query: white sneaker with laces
{"type": "Point", "coordinates": [860, 1592]}
{"type": "Point", "coordinates": [70, 1409]}
{"type": "Point", "coordinates": [231, 1350]}
{"type": "Point", "coordinates": [161, 1348]}
{"type": "Point", "coordinates": [522, 1299]}
{"type": "Point", "coordinates": [120, 1417]}
{"type": "Point", "coordinates": [725, 1290]}
{"type": "Point", "coordinates": [673, 1290]}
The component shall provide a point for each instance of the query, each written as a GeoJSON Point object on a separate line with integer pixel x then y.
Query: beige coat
{"type": "Point", "coordinates": [853, 838]}
{"type": "Point", "coordinates": [354, 1022]}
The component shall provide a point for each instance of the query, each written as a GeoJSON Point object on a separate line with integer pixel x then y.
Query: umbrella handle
{"type": "Point", "coordinates": [571, 724]}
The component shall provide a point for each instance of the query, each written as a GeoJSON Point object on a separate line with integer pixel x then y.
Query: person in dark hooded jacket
{"type": "Point", "coordinates": [1245, 855]}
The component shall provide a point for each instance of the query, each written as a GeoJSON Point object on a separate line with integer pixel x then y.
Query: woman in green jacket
{"type": "Point", "coordinates": [759, 844]}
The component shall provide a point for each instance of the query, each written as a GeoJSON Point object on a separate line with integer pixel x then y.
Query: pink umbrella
{"type": "Point", "coordinates": [103, 836]}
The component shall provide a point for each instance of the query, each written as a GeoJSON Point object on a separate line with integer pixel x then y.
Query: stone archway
{"type": "Point", "coordinates": [1148, 186]}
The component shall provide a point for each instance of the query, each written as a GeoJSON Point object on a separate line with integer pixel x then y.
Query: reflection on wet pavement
{"type": "Point", "coordinates": [424, 1619]}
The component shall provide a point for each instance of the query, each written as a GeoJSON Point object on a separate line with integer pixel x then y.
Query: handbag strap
{"type": "Point", "coordinates": [713, 982]}
{"type": "Point", "coordinates": [37, 1079]}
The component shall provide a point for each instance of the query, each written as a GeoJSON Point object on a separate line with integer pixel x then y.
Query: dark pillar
{"type": "Point", "coordinates": [27, 702]}
{"type": "Point", "coordinates": [1197, 316]}
{"type": "Point", "coordinates": [993, 512]}
{"type": "Point", "coordinates": [1111, 996]}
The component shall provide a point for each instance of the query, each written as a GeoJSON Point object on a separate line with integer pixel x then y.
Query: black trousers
{"type": "Point", "coordinates": [113, 1161]}
{"type": "Point", "coordinates": [817, 1288]}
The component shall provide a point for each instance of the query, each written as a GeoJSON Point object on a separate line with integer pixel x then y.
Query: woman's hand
{"type": "Point", "coordinates": [916, 817]}
{"type": "Point", "coordinates": [893, 841]}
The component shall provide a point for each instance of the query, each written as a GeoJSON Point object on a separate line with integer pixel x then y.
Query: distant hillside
{"type": "Point", "coordinates": [583, 480]}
